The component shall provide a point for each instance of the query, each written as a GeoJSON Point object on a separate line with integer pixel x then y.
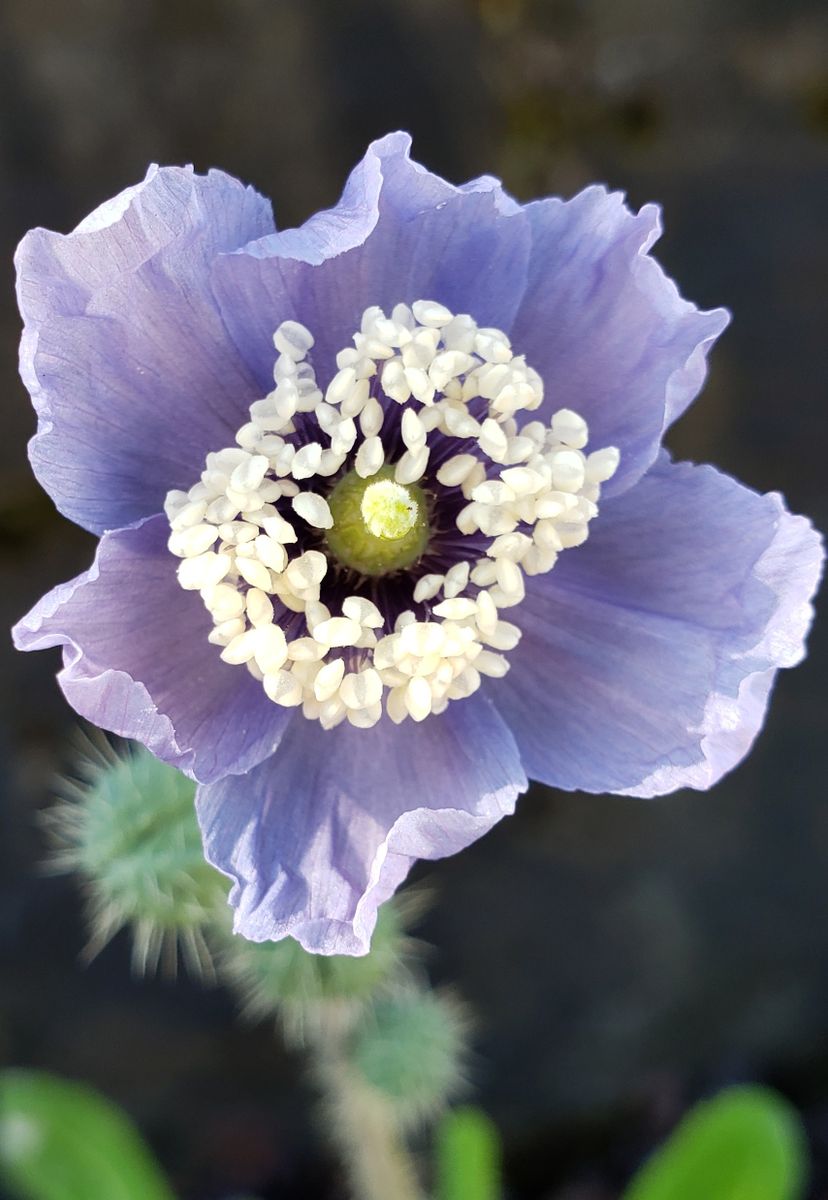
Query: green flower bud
{"type": "Point", "coordinates": [411, 1047]}
{"type": "Point", "coordinates": [129, 828]}
{"type": "Point", "coordinates": [281, 979]}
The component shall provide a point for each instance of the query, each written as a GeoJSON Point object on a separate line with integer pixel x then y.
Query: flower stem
{"type": "Point", "coordinates": [363, 1125]}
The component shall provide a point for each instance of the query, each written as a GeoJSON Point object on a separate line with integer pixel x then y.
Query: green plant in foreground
{"type": "Point", "coordinates": [64, 1141]}
{"type": "Point", "coordinates": [467, 1157]}
{"type": "Point", "coordinates": [747, 1143]}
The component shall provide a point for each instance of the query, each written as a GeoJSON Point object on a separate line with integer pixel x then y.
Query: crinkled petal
{"type": "Point", "coordinates": [648, 653]}
{"type": "Point", "coordinates": [606, 328]}
{"type": "Point", "coordinates": [398, 234]}
{"type": "Point", "coordinates": [124, 351]}
{"type": "Point", "coordinates": [317, 837]}
{"type": "Point", "coordinates": [137, 660]}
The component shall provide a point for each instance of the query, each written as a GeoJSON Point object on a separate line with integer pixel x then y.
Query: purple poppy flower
{"type": "Point", "coordinates": [353, 577]}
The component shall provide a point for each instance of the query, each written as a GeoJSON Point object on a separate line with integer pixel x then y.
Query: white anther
{"type": "Point", "coordinates": [361, 689]}
{"type": "Point", "coordinates": [484, 573]}
{"type": "Point", "coordinates": [464, 684]}
{"type": "Point", "coordinates": [475, 476]}
{"type": "Point", "coordinates": [356, 400]}
{"type": "Point", "coordinates": [259, 607]}
{"type": "Point", "coordinates": [467, 520]}
{"type": "Point", "coordinates": [189, 514]}
{"type": "Point", "coordinates": [203, 571]}
{"type": "Point", "coordinates": [493, 491]}
{"type": "Point", "coordinates": [238, 532]}
{"type": "Point", "coordinates": [283, 688]}
{"type": "Point", "coordinates": [412, 465]}
{"type": "Point", "coordinates": [327, 417]}
{"type": "Point", "coordinates": [331, 712]}
{"type": "Point", "coordinates": [449, 365]}
{"type": "Point", "coordinates": [315, 613]}
{"type": "Point", "coordinates": [241, 649]}
{"type": "Point", "coordinates": [456, 609]}
{"type": "Point", "coordinates": [567, 470]}
{"type": "Point", "coordinates": [493, 345]}
{"type": "Point", "coordinates": [458, 421]}
{"type": "Point", "coordinates": [491, 664]}
{"type": "Point", "coordinates": [337, 631]}
{"type": "Point", "coordinates": [412, 429]}
{"type": "Point", "coordinates": [329, 463]}
{"type": "Point", "coordinates": [546, 535]}
{"type": "Point", "coordinates": [569, 428]}
{"type": "Point", "coordinates": [364, 718]}
{"type": "Point", "coordinates": [430, 313]}
{"type": "Point", "coordinates": [341, 385]}
{"type": "Point", "coordinates": [364, 611]}
{"type": "Point", "coordinates": [418, 698]}
{"type": "Point", "coordinates": [224, 602]}
{"type": "Point", "coordinates": [421, 638]}
{"type": "Point", "coordinates": [223, 633]}
{"type": "Point", "coordinates": [395, 705]}
{"type": "Point", "coordinates": [307, 570]}
{"type": "Point", "coordinates": [456, 579]}
{"type": "Point", "coordinates": [492, 440]}
{"type": "Point", "coordinates": [370, 457]}
{"type": "Point", "coordinates": [279, 529]}
{"type": "Point", "coordinates": [174, 503]}
{"type": "Point", "coordinates": [344, 436]}
{"type": "Point", "coordinates": [486, 613]}
{"type": "Point", "coordinates": [508, 575]}
{"type": "Point", "coordinates": [326, 684]}
{"type": "Point", "coordinates": [247, 476]}
{"type": "Point", "coordinates": [306, 649]}
{"type": "Point", "coordinates": [254, 572]}
{"type": "Point", "coordinates": [394, 381]}
{"type": "Point", "coordinates": [188, 543]}
{"type": "Point", "coordinates": [601, 465]}
{"type": "Point", "coordinates": [306, 461]}
{"type": "Point", "coordinates": [522, 480]}
{"type": "Point", "coordinates": [271, 553]}
{"type": "Point", "coordinates": [221, 510]}
{"type": "Point", "coordinates": [293, 339]}
{"type": "Point", "coordinates": [422, 388]}
{"type": "Point", "coordinates": [371, 417]}
{"type": "Point", "coordinates": [510, 545]}
{"type": "Point", "coordinates": [454, 470]}
{"type": "Point", "coordinates": [426, 587]}
{"type": "Point", "coordinates": [313, 509]}
{"type": "Point", "coordinates": [270, 648]}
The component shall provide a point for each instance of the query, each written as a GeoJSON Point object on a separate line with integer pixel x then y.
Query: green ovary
{"type": "Point", "coordinates": [379, 525]}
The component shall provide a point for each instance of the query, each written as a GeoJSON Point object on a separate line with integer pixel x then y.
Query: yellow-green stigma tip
{"type": "Point", "coordinates": [379, 525]}
{"type": "Point", "coordinates": [389, 510]}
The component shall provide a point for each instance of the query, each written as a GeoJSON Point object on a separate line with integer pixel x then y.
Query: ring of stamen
{"type": "Point", "coordinates": [427, 486]}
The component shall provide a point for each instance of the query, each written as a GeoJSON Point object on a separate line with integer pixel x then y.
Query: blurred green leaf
{"type": "Point", "coordinates": [63, 1141]}
{"type": "Point", "coordinates": [468, 1156]}
{"type": "Point", "coordinates": [745, 1144]}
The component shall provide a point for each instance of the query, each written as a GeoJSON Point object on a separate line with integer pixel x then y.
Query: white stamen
{"type": "Point", "coordinates": [313, 509]}
{"type": "Point", "coordinates": [293, 339]}
{"type": "Point", "coordinates": [370, 457]}
{"type": "Point", "coordinates": [337, 631]}
{"type": "Point", "coordinates": [530, 491]}
{"type": "Point", "coordinates": [306, 461]}
{"type": "Point", "coordinates": [456, 469]}
{"type": "Point", "coordinates": [412, 465]}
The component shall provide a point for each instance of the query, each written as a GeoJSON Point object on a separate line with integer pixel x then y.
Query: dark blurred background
{"type": "Point", "coordinates": [623, 957]}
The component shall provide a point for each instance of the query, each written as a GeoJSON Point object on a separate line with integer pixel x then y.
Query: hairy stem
{"type": "Point", "coordinates": [363, 1125]}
